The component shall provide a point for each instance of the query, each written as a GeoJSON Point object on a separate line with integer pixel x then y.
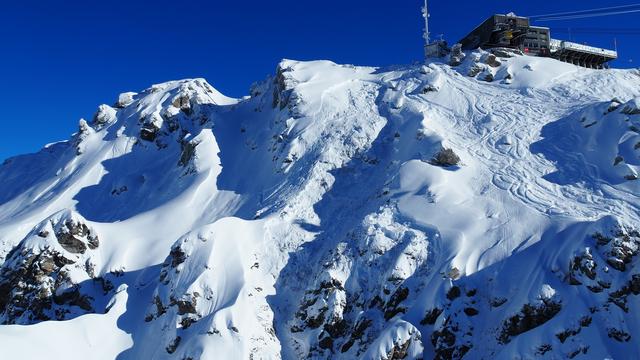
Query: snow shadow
{"type": "Point", "coordinates": [132, 322]}
{"type": "Point", "coordinates": [558, 145]}
{"type": "Point", "coordinates": [133, 183]}
{"type": "Point", "coordinates": [20, 173]}
{"type": "Point", "coordinates": [245, 171]}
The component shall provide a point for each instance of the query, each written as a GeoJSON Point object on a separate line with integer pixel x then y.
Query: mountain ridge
{"type": "Point", "coordinates": [316, 217]}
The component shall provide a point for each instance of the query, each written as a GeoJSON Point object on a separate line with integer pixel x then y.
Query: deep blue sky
{"type": "Point", "coordinates": [61, 59]}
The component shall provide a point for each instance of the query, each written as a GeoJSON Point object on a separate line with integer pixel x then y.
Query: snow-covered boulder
{"type": "Point", "coordinates": [125, 99]}
{"type": "Point", "coordinates": [104, 116]}
{"type": "Point", "coordinates": [631, 107]}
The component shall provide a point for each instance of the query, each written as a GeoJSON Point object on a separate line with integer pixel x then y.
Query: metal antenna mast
{"type": "Point", "coordinates": [425, 14]}
{"type": "Point", "coordinates": [436, 48]}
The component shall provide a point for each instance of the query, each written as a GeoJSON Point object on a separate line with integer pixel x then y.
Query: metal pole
{"type": "Point", "coordinates": [425, 14]}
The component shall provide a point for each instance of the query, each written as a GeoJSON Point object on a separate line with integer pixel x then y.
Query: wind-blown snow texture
{"type": "Point", "coordinates": [314, 218]}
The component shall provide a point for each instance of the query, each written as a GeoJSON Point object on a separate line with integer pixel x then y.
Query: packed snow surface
{"type": "Point", "coordinates": [487, 208]}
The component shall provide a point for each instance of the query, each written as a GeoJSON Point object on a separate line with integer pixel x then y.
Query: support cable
{"type": "Point", "coordinates": [609, 8]}
{"type": "Point", "coordinates": [586, 16]}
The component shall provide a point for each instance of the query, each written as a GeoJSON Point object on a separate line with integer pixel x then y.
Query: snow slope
{"type": "Point", "coordinates": [313, 219]}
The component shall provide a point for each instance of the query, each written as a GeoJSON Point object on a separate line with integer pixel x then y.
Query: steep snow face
{"type": "Point", "coordinates": [605, 136]}
{"type": "Point", "coordinates": [208, 299]}
{"type": "Point", "coordinates": [485, 208]}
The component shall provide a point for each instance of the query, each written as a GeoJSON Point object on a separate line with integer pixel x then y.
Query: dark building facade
{"type": "Point", "coordinates": [516, 32]}
{"type": "Point", "coordinates": [509, 31]}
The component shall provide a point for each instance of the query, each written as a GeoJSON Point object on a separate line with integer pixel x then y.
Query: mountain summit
{"type": "Point", "coordinates": [486, 208]}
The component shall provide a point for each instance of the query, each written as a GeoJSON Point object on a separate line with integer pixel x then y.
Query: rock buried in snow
{"type": "Point", "coordinates": [75, 237]}
{"type": "Point", "coordinates": [125, 99]}
{"type": "Point", "coordinates": [105, 115]}
{"type": "Point", "coordinates": [445, 157]}
{"type": "Point", "coordinates": [505, 140]}
{"type": "Point", "coordinates": [632, 107]}
{"type": "Point", "coordinates": [492, 60]}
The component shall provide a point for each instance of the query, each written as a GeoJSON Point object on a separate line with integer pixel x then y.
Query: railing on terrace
{"type": "Point", "coordinates": [556, 45]}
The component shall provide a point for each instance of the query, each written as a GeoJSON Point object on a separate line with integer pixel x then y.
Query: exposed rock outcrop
{"type": "Point", "coordinates": [51, 274]}
{"type": "Point", "coordinates": [530, 317]}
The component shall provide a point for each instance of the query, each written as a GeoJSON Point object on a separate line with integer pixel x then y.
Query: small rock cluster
{"type": "Point", "coordinates": [445, 157]}
{"type": "Point", "coordinates": [186, 304]}
{"type": "Point", "coordinates": [451, 337]}
{"type": "Point", "coordinates": [530, 317]}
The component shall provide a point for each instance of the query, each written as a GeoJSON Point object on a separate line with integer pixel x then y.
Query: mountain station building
{"type": "Point", "coordinates": [516, 32]}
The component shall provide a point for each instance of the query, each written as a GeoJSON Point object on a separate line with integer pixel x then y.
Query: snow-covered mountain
{"type": "Point", "coordinates": [483, 208]}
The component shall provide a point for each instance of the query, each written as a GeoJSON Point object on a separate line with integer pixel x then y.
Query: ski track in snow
{"type": "Point", "coordinates": [514, 166]}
